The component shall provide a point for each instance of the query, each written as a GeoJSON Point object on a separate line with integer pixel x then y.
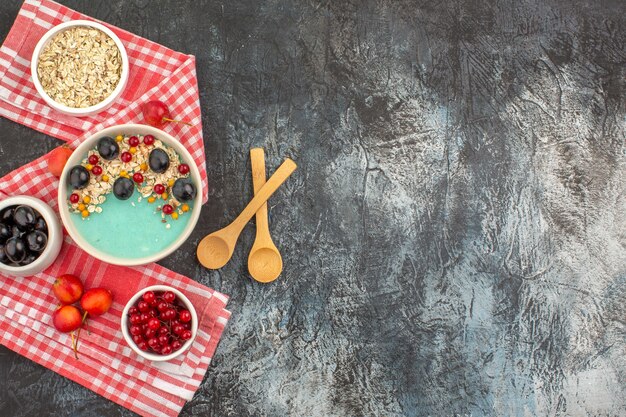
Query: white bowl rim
{"type": "Point", "coordinates": [77, 156]}
{"type": "Point", "coordinates": [55, 238]}
{"type": "Point", "coordinates": [153, 356]}
{"type": "Point", "coordinates": [85, 111]}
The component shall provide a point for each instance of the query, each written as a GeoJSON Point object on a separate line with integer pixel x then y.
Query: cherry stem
{"type": "Point", "coordinates": [165, 119]}
{"type": "Point", "coordinates": [85, 322]}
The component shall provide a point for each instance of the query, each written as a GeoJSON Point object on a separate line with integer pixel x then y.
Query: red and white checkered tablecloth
{"type": "Point", "coordinates": [106, 364]}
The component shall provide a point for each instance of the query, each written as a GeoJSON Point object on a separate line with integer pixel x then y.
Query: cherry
{"type": "Point", "coordinates": [135, 318]}
{"type": "Point", "coordinates": [186, 335]}
{"type": "Point", "coordinates": [183, 169]}
{"type": "Point", "coordinates": [154, 324]}
{"type": "Point", "coordinates": [126, 156]}
{"type": "Point", "coordinates": [159, 189]}
{"type": "Point", "coordinates": [176, 344]}
{"type": "Point", "coordinates": [148, 140]}
{"type": "Point", "coordinates": [138, 177]}
{"type": "Point", "coordinates": [133, 141]}
{"type": "Point", "coordinates": [184, 316]}
{"type": "Point", "coordinates": [167, 209]}
{"type": "Point", "coordinates": [96, 170]}
{"type": "Point", "coordinates": [169, 296]}
{"type": "Point", "coordinates": [93, 159]}
{"type": "Point", "coordinates": [157, 114]}
{"type": "Point", "coordinates": [143, 306]}
{"type": "Point", "coordinates": [166, 350]}
{"type": "Point", "coordinates": [135, 330]}
{"type": "Point", "coordinates": [74, 198]}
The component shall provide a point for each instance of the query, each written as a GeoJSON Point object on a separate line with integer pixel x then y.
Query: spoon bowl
{"type": "Point", "coordinates": [265, 264]}
{"type": "Point", "coordinates": [214, 251]}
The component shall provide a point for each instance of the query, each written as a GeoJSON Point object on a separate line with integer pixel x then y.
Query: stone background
{"type": "Point", "coordinates": [455, 237]}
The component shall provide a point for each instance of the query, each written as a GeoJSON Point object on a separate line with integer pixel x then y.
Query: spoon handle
{"type": "Point", "coordinates": [257, 160]}
{"type": "Point", "coordinates": [282, 173]}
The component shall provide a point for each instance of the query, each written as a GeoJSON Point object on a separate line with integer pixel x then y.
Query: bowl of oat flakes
{"type": "Point", "coordinates": [130, 194]}
{"type": "Point", "coordinates": [79, 67]}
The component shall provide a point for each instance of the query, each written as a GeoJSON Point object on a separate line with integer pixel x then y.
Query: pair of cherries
{"type": "Point", "coordinates": [159, 323]}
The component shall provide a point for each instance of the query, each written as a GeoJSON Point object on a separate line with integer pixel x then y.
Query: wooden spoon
{"type": "Point", "coordinates": [264, 262]}
{"type": "Point", "coordinates": [215, 250]}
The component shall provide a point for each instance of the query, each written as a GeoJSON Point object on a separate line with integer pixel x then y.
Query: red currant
{"type": "Point", "coordinates": [142, 345]}
{"type": "Point", "coordinates": [126, 156]}
{"type": "Point", "coordinates": [96, 170]}
{"type": "Point", "coordinates": [144, 317]}
{"type": "Point", "coordinates": [148, 296]}
{"type": "Point", "coordinates": [153, 342]}
{"type": "Point", "coordinates": [187, 326]}
{"type": "Point", "coordinates": [186, 335]}
{"type": "Point", "coordinates": [133, 141]}
{"type": "Point", "coordinates": [178, 329]}
{"type": "Point", "coordinates": [148, 140]}
{"type": "Point", "coordinates": [74, 198]}
{"type": "Point", "coordinates": [135, 330]}
{"type": "Point", "coordinates": [166, 350]}
{"type": "Point", "coordinates": [152, 313]}
{"type": "Point", "coordinates": [176, 345]}
{"type": "Point", "coordinates": [169, 296]}
{"type": "Point", "coordinates": [143, 306]}
{"type": "Point", "coordinates": [183, 169]}
{"type": "Point", "coordinates": [150, 333]}
{"type": "Point", "coordinates": [184, 316]}
{"type": "Point", "coordinates": [168, 314]}
{"type": "Point", "coordinates": [135, 318]}
{"type": "Point", "coordinates": [163, 339]}
{"type": "Point", "coordinates": [154, 324]}
{"type": "Point", "coordinates": [138, 177]}
{"type": "Point", "coordinates": [159, 189]}
{"type": "Point", "coordinates": [93, 159]}
{"type": "Point", "coordinates": [167, 209]}
{"type": "Point", "coordinates": [162, 305]}
{"type": "Point", "coordinates": [137, 338]}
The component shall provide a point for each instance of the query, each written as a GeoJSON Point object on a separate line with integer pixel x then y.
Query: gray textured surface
{"type": "Point", "coordinates": [455, 237]}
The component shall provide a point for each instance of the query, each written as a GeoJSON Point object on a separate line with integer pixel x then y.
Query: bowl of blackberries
{"type": "Point", "coordinates": [30, 236]}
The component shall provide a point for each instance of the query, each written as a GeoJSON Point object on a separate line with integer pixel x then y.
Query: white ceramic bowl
{"type": "Point", "coordinates": [72, 111]}
{"type": "Point", "coordinates": [154, 356]}
{"type": "Point", "coordinates": [55, 237]}
{"type": "Point", "coordinates": [81, 151]}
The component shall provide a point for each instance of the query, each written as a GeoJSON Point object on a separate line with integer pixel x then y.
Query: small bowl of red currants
{"type": "Point", "coordinates": [159, 323]}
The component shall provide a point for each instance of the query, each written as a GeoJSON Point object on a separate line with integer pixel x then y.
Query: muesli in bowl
{"type": "Point", "coordinates": [130, 194]}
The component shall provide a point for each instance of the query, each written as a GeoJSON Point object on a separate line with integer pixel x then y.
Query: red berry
{"type": "Point", "coordinates": [183, 169]}
{"type": "Point", "coordinates": [159, 189]}
{"type": "Point", "coordinates": [93, 159]}
{"type": "Point", "coordinates": [154, 324]}
{"type": "Point", "coordinates": [169, 296]}
{"type": "Point", "coordinates": [137, 338]}
{"type": "Point", "coordinates": [149, 333]}
{"type": "Point", "coordinates": [163, 331]}
{"type": "Point", "coordinates": [148, 140]}
{"type": "Point", "coordinates": [154, 113]}
{"type": "Point", "coordinates": [96, 170]}
{"type": "Point", "coordinates": [166, 350]}
{"type": "Point", "coordinates": [163, 339]}
{"type": "Point", "coordinates": [186, 335]}
{"type": "Point", "coordinates": [162, 305]}
{"type": "Point", "coordinates": [148, 296]}
{"type": "Point", "coordinates": [138, 177]}
{"type": "Point", "coordinates": [144, 317]}
{"type": "Point", "coordinates": [126, 156]}
{"type": "Point", "coordinates": [135, 319]}
{"type": "Point", "coordinates": [153, 342]}
{"type": "Point", "coordinates": [152, 313]}
{"type": "Point", "coordinates": [187, 326]}
{"type": "Point", "coordinates": [185, 316]}
{"type": "Point", "coordinates": [74, 198]}
{"type": "Point", "coordinates": [133, 141]}
{"type": "Point", "coordinates": [178, 329]}
{"type": "Point", "coordinates": [176, 345]}
{"type": "Point", "coordinates": [167, 209]}
{"type": "Point", "coordinates": [133, 310]}
{"type": "Point", "coordinates": [143, 306]}
{"type": "Point", "coordinates": [135, 330]}
{"type": "Point", "coordinates": [169, 314]}
{"type": "Point", "coordinates": [142, 345]}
